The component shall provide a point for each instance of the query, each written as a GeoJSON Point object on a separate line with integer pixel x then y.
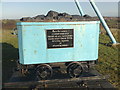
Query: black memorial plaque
{"type": "Point", "coordinates": [60, 38]}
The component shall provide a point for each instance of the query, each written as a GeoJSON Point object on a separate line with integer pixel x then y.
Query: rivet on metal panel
{"type": "Point", "coordinates": [81, 45]}
{"type": "Point", "coordinates": [24, 30]}
{"type": "Point", "coordinates": [35, 51]}
{"type": "Point", "coordinates": [83, 30]}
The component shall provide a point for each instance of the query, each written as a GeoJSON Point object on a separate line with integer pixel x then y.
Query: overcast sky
{"type": "Point", "coordinates": [17, 10]}
{"type": "Point", "coordinates": [58, 0]}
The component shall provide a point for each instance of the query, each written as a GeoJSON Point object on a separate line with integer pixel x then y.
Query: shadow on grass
{"type": "Point", "coordinates": [9, 57]}
{"type": "Point", "coordinates": [106, 44]}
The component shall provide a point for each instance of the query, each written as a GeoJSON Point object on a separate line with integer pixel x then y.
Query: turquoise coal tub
{"type": "Point", "coordinates": [50, 42]}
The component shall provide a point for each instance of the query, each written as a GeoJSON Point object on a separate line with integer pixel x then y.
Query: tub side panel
{"type": "Point", "coordinates": [34, 44]}
{"type": "Point", "coordinates": [34, 47]}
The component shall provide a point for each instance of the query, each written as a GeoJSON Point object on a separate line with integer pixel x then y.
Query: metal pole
{"type": "Point", "coordinates": [103, 21]}
{"type": "Point", "coordinates": [79, 8]}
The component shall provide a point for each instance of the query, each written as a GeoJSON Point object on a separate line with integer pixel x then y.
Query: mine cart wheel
{"type": "Point", "coordinates": [74, 69]}
{"type": "Point", "coordinates": [43, 72]}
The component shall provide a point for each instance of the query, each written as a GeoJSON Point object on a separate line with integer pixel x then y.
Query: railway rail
{"type": "Point", "coordinates": [92, 79]}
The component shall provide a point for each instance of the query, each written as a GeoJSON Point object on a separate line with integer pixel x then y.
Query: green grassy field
{"type": "Point", "coordinates": [108, 56]}
{"type": "Point", "coordinates": [109, 59]}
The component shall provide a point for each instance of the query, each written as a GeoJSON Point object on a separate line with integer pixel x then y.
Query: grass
{"type": "Point", "coordinates": [9, 54]}
{"type": "Point", "coordinates": [7, 37]}
{"type": "Point", "coordinates": [109, 60]}
{"type": "Point", "coordinates": [108, 56]}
